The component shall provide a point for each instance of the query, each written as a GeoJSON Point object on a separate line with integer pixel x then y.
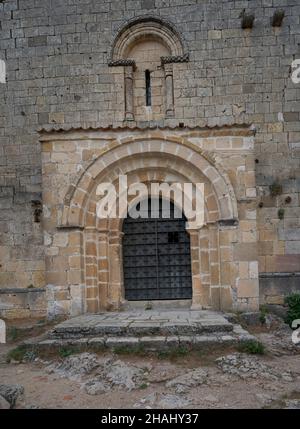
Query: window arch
{"type": "Point", "coordinates": [146, 48]}
{"type": "Point", "coordinates": [142, 28]}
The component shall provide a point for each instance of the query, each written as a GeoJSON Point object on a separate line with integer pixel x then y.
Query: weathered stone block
{"type": "Point", "coordinates": [245, 252]}
{"type": "Point", "coordinates": [248, 288]}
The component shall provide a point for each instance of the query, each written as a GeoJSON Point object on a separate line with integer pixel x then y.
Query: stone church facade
{"type": "Point", "coordinates": [159, 91]}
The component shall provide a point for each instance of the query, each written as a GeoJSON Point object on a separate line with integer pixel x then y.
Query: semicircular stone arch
{"type": "Point", "coordinates": [179, 149]}
{"type": "Point", "coordinates": [146, 27]}
{"type": "Point", "coordinates": [155, 172]}
{"type": "Point", "coordinates": [106, 280]}
{"type": "Point", "coordinates": [146, 49]}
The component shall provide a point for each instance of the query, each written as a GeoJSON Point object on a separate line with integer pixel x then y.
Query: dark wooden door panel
{"type": "Point", "coordinates": [156, 258]}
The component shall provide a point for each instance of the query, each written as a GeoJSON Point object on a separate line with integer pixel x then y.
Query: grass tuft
{"type": "Point", "coordinates": [293, 303]}
{"type": "Point", "coordinates": [138, 350]}
{"type": "Point", "coordinates": [143, 386]}
{"type": "Point", "coordinates": [252, 347]}
{"type": "Point", "coordinates": [263, 314]}
{"type": "Point", "coordinates": [173, 353]}
{"type": "Point", "coordinates": [65, 352]}
{"type": "Point", "coordinates": [13, 333]}
{"type": "Point", "coordinates": [21, 353]}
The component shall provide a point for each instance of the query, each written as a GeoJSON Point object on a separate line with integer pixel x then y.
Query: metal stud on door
{"type": "Point", "coordinates": [156, 258]}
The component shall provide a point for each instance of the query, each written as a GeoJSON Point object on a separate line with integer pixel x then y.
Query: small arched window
{"type": "Point", "coordinates": [148, 87]}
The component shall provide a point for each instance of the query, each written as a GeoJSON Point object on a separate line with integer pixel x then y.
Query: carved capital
{"type": "Point", "coordinates": [128, 72]}
{"type": "Point", "coordinates": [168, 68]}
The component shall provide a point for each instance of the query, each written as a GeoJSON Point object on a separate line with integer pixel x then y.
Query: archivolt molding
{"type": "Point", "coordinates": [146, 27]}
{"type": "Point", "coordinates": [176, 172]}
{"type": "Point", "coordinates": [138, 199]}
{"type": "Point", "coordinates": [209, 156]}
{"type": "Point", "coordinates": [169, 146]}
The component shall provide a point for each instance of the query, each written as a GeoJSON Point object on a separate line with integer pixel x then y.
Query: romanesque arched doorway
{"type": "Point", "coordinates": [156, 253]}
{"type": "Point", "coordinates": [91, 247]}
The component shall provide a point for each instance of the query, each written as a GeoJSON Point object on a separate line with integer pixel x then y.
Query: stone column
{"type": "Point", "coordinates": [103, 269]}
{"type": "Point", "coordinates": [169, 90]}
{"type": "Point", "coordinates": [128, 74]}
{"type": "Point", "coordinates": [196, 278]}
{"type": "Point", "coordinates": [91, 281]}
{"type": "Point", "coordinates": [115, 291]}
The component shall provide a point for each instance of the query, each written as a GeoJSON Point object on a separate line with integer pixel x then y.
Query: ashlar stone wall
{"type": "Point", "coordinates": [57, 55]}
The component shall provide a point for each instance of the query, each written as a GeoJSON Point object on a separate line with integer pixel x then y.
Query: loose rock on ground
{"type": "Point", "coordinates": [11, 393]}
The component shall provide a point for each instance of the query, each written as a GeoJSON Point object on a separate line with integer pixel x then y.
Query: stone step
{"type": "Point", "coordinates": [153, 342]}
{"type": "Point", "coordinates": [137, 327]}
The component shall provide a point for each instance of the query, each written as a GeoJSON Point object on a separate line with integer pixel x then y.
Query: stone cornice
{"type": "Point", "coordinates": [60, 133]}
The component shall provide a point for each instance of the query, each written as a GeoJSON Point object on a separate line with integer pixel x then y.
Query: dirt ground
{"type": "Point", "coordinates": [271, 380]}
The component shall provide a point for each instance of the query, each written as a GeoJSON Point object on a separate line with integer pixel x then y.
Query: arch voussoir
{"type": "Point", "coordinates": [165, 149]}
